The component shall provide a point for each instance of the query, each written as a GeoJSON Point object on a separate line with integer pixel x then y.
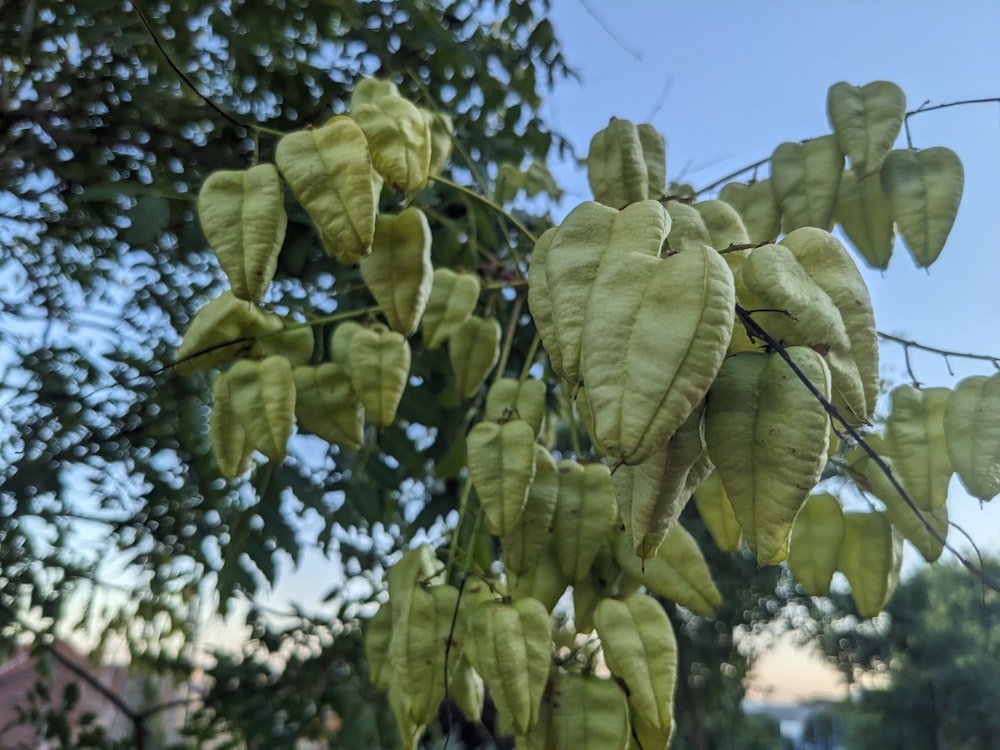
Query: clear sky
{"type": "Point", "coordinates": [725, 82]}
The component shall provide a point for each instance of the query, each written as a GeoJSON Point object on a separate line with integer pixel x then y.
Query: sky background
{"type": "Point", "coordinates": [726, 82]}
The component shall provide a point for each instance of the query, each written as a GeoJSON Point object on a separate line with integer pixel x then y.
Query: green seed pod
{"type": "Point", "coordinates": [616, 165]}
{"type": "Point", "coordinates": [295, 343]}
{"type": "Point", "coordinates": [589, 713]}
{"type": "Point", "coordinates": [814, 547]}
{"type": "Point", "coordinates": [678, 572]}
{"type": "Point", "coordinates": [863, 213]}
{"type": "Point", "coordinates": [654, 153]}
{"type": "Point", "coordinates": [757, 207]}
{"type": "Point", "coordinates": [467, 689]}
{"type": "Point", "coordinates": [367, 90]}
{"type": "Point", "coordinates": [379, 364]}
{"type": "Point", "coordinates": [442, 132]}
{"type": "Point", "coordinates": [399, 139]}
{"type": "Point", "coordinates": [398, 271]}
{"type": "Point", "coordinates": [225, 319]}
{"type": "Point", "coordinates": [767, 436]}
{"type": "Point", "coordinates": [230, 443]}
{"type": "Point", "coordinates": [340, 342]}
{"type": "Point", "coordinates": [641, 651]}
{"type": "Point", "coordinates": [686, 225]}
{"type": "Point", "coordinates": [242, 214]}
{"type": "Point", "coordinates": [923, 189]}
{"type": "Point", "coordinates": [972, 432]}
{"type": "Point", "coordinates": [378, 636]}
{"type": "Point", "coordinates": [327, 405]}
{"type": "Point", "coordinates": [453, 299]}
{"type": "Point", "coordinates": [717, 513]}
{"type": "Point", "coordinates": [643, 371]}
{"type": "Point", "coordinates": [545, 581]}
{"type": "Point", "coordinates": [805, 178]}
{"type": "Point", "coordinates": [915, 442]}
{"type": "Point", "coordinates": [866, 121]}
{"type": "Point", "coordinates": [584, 517]}
{"type": "Point", "coordinates": [262, 394]}
{"type": "Point", "coordinates": [329, 170]}
{"type": "Point", "coordinates": [474, 349]}
{"type": "Point", "coordinates": [501, 467]}
{"type": "Point", "coordinates": [725, 227]}
{"type": "Point", "coordinates": [540, 301]}
{"type": "Point", "coordinates": [511, 649]}
{"type": "Point", "coordinates": [870, 557]}
{"type": "Point", "coordinates": [523, 545]}
{"type": "Point", "coordinates": [509, 397]}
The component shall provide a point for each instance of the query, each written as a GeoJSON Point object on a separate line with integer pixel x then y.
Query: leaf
{"type": "Point", "coordinates": [866, 121]}
{"type": "Point", "coordinates": [923, 189]}
{"type": "Point", "coordinates": [149, 218]}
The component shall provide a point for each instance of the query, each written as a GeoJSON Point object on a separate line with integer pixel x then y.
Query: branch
{"type": "Point", "coordinates": [907, 344]}
{"type": "Point", "coordinates": [754, 329]}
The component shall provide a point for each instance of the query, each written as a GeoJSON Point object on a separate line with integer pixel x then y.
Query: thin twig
{"type": "Point", "coordinates": [756, 330]}
{"type": "Point", "coordinates": [908, 344]}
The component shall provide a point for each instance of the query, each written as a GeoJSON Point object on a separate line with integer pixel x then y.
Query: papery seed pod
{"type": "Point", "coordinates": [584, 517]}
{"type": "Point", "coordinates": [814, 546]}
{"type": "Point", "coordinates": [831, 267]}
{"type": "Point", "coordinates": [329, 170]}
{"type": "Point", "coordinates": [523, 399]}
{"type": "Point", "coordinates": [646, 736]}
{"type": "Point", "coordinates": [654, 153]}
{"type": "Point", "coordinates": [652, 494]}
{"type": "Point", "coordinates": [379, 365]}
{"type": "Point", "coordinates": [767, 436]}
{"type": "Point", "coordinates": [474, 349]}
{"type": "Point", "coordinates": [643, 371]}
{"type": "Point", "coordinates": [678, 572]}
{"type": "Point", "coordinates": [686, 225]}
{"type": "Point", "coordinates": [442, 132]}
{"type": "Point", "coordinates": [616, 165]}
{"type": "Point", "coordinates": [717, 513]}
{"type": "Point", "coordinates": [284, 337]}
{"type": "Point", "coordinates": [230, 443]}
{"type": "Point", "coordinates": [467, 690]}
{"type": "Point", "coordinates": [757, 207]}
{"type": "Point", "coordinates": [340, 342]}
{"type": "Point", "coordinates": [725, 227]}
{"type": "Point", "coordinates": [863, 213]}
{"type": "Point", "coordinates": [512, 651]}
{"type": "Point", "coordinates": [367, 90]}
{"type": "Point", "coordinates": [870, 557]}
{"type": "Point", "coordinates": [378, 636]}
{"type": "Point", "coordinates": [640, 650]}
{"type": "Point", "coordinates": [589, 713]}
{"type": "Point", "coordinates": [327, 405]}
{"type": "Point", "coordinates": [242, 214]}
{"type": "Point", "coordinates": [523, 544]}
{"type": "Point", "coordinates": [805, 178]}
{"type": "Point", "coordinates": [540, 301]}
{"type": "Point", "coordinates": [546, 581]}
{"type": "Point", "coordinates": [399, 138]}
{"type": "Point", "coordinates": [398, 271]}
{"type": "Point", "coordinates": [262, 394]}
{"type": "Point", "coordinates": [923, 189]}
{"type": "Point", "coordinates": [453, 299]}
{"type": "Point", "coordinates": [501, 466]}
{"type": "Point", "coordinates": [223, 329]}
{"type": "Point", "coordinates": [915, 442]}
{"type": "Point", "coordinates": [972, 432]}
{"type": "Point", "coordinates": [866, 121]}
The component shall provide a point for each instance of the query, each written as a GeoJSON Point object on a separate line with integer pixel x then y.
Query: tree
{"type": "Point", "coordinates": [939, 654]}
{"type": "Point", "coordinates": [499, 471]}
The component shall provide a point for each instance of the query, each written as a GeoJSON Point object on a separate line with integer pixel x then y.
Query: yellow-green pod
{"type": "Point", "coordinates": [923, 189]}
{"type": "Point", "coordinates": [870, 557]}
{"type": "Point", "coordinates": [678, 572]}
{"type": "Point", "coordinates": [686, 225]}
{"type": "Point", "coordinates": [585, 515]}
{"type": "Point", "coordinates": [717, 513]}
{"type": "Point", "coordinates": [545, 581]}
{"type": "Point", "coordinates": [540, 302]}
{"type": "Point", "coordinates": [640, 650]}
{"type": "Point", "coordinates": [501, 467]}
{"type": "Point", "coordinates": [589, 237]}
{"type": "Point", "coordinates": [804, 179]}
{"type": "Point", "coordinates": [511, 649]}
{"type": "Point", "coordinates": [814, 547]}
{"type": "Point", "coordinates": [399, 139]}
{"type": "Point", "coordinates": [474, 349]}
{"type": "Point", "coordinates": [767, 436]}
{"type": "Point", "coordinates": [586, 596]}
{"type": "Point", "coordinates": [522, 546]}
{"type": "Point", "coordinates": [616, 166]}
{"type": "Point", "coordinates": [654, 153]}
{"type": "Point", "coordinates": [327, 405]}
{"type": "Point", "coordinates": [398, 271]}
{"type": "Point", "coordinates": [367, 90]}
{"type": "Point", "coordinates": [757, 207]}
{"type": "Point", "coordinates": [467, 689]}
{"type": "Point", "coordinates": [523, 399]}
{"type": "Point", "coordinates": [972, 432]}
{"type": "Point", "coordinates": [379, 365]}
{"type": "Point", "coordinates": [652, 494]}
{"type": "Point", "coordinates": [589, 713]}
{"type": "Point", "coordinates": [866, 121]}
{"type": "Point", "coordinates": [242, 214]}
{"type": "Point", "coordinates": [915, 441]}
{"type": "Point", "coordinates": [230, 443]}
{"type": "Point", "coordinates": [442, 132]}
{"type": "Point", "coordinates": [646, 736]}
{"type": "Point", "coordinates": [453, 299]}
{"type": "Point", "coordinates": [283, 336]}
{"type": "Point", "coordinates": [725, 227]}
{"type": "Point", "coordinates": [863, 214]}
{"type": "Point", "coordinates": [263, 397]}
{"type": "Point", "coordinates": [340, 342]}
{"type": "Point", "coordinates": [222, 330]}
{"type": "Point", "coordinates": [654, 335]}
{"type": "Point", "coordinates": [329, 171]}
{"type": "Point", "coordinates": [378, 636]}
